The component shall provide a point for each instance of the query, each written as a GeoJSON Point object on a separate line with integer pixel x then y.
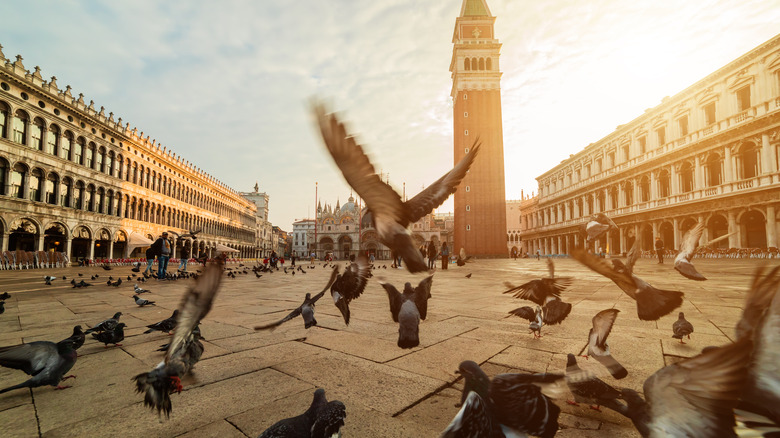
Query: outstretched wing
{"type": "Point", "coordinates": [421, 295]}
{"type": "Point", "coordinates": [524, 312]}
{"type": "Point", "coordinates": [435, 194]}
{"type": "Point", "coordinates": [633, 255]}
{"type": "Point", "coordinates": [602, 325]}
{"type": "Point", "coordinates": [333, 275]}
{"type": "Point", "coordinates": [292, 315]}
{"type": "Point", "coordinates": [555, 311]}
{"type": "Point", "coordinates": [596, 264]}
{"type": "Point", "coordinates": [396, 300]}
{"type": "Point", "coordinates": [539, 290]}
{"type": "Point", "coordinates": [354, 280]}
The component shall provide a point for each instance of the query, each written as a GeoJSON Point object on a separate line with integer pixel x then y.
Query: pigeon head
{"type": "Point", "coordinates": [571, 361]}
{"type": "Point", "coordinates": [408, 288]}
{"type": "Point", "coordinates": [117, 315]}
{"type": "Point", "coordinates": [76, 329]}
{"type": "Point", "coordinates": [681, 315]}
{"type": "Point", "coordinates": [476, 379]}
{"type": "Point", "coordinates": [308, 296]}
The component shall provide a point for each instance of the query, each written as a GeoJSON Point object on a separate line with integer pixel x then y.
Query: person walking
{"type": "Point", "coordinates": [431, 255]}
{"type": "Point", "coordinates": [537, 254]}
{"type": "Point", "coordinates": [659, 250]}
{"type": "Point", "coordinates": [164, 253]}
{"type": "Point", "coordinates": [185, 256]}
{"type": "Point", "coordinates": [150, 255]}
{"type": "Point", "coordinates": [445, 255]}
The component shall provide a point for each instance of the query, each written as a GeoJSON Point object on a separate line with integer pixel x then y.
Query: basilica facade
{"type": "Point", "coordinates": [78, 182]}
{"type": "Point", "coordinates": [709, 154]}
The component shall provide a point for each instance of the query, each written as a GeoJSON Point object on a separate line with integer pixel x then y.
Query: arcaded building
{"type": "Point", "coordinates": [708, 154]}
{"type": "Point", "coordinates": [76, 180]}
{"type": "Point", "coordinates": [480, 200]}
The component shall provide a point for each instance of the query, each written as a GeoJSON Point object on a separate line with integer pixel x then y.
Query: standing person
{"type": "Point", "coordinates": [445, 255]}
{"type": "Point", "coordinates": [150, 255]}
{"type": "Point", "coordinates": [163, 255]}
{"type": "Point", "coordinates": [185, 256]}
{"type": "Point", "coordinates": [431, 255]}
{"type": "Point", "coordinates": [659, 250]}
{"type": "Point", "coordinates": [537, 254]}
{"type": "Point", "coordinates": [292, 260]}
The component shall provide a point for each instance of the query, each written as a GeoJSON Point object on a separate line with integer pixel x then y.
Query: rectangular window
{"type": "Point", "coordinates": [709, 114]}
{"type": "Point", "coordinates": [682, 122]}
{"type": "Point", "coordinates": [611, 159]}
{"type": "Point", "coordinates": [466, 132]}
{"type": "Point", "coordinates": [660, 134]}
{"type": "Point", "coordinates": [743, 98]}
{"type": "Point", "coordinates": [88, 158]}
{"type": "Point", "coordinates": [19, 131]}
{"type": "Point", "coordinates": [465, 114]}
{"type": "Point", "coordinates": [2, 123]}
{"type": "Point", "coordinates": [626, 153]}
{"type": "Point", "coordinates": [642, 142]}
{"type": "Point", "coordinates": [598, 165]}
{"type": "Point", "coordinates": [77, 153]}
{"type": "Point", "coordinates": [35, 133]}
{"type": "Point", "coordinates": [51, 142]}
{"type": "Point", "coordinates": [587, 171]}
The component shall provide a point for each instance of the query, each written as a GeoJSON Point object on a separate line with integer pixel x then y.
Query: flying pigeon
{"type": "Point", "coordinates": [107, 325]}
{"type": "Point", "coordinates": [651, 303]}
{"type": "Point", "coordinates": [597, 226]}
{"type": "Point", "coordinates": [78, 337]}
{"type": "Point", "coordinates": [306, 309]}
{"type": "Point", "coordinates": [166, 325]}
{"type": "Point", "coordinates": [408, 309]}
{"type": "Point", "coordinates": [597, 342]}
{"type": "Point", "coordinates": [690, 244]}
{"type": "Point", "coordinates": [136, 267]}
{"type": "Point", "coordinates": [349, 286]}
{"type": "Point", "coordinates": [695, 397]}
{"type": "Point", "coordinates": [48, 279]}
{"type": "Point", "coordinates": [511, 404]}
{"type": "Point", "coordinates": [322, 419]}
{"type": "Point", "coordinates": [541, 290]}
{"type": "Point", "coordinates": [388, 212]}
{"type": "Point", "coordinates": [139, 290]}
{"type": "Point", "coordinates": [142, 302]}
{"type": "Point", "coordinates": [589, 389]}
{"type": "Point", "coordinates": [114, 336]}
{"type": "Point", "coordinates": [45, 361]}
{"type": "Point", "coordinates": [462, 258]}
{"type": "Point", "coordinates": [682, 328]}
{"type": "Point", "coordinates": [185, 348]}
{"type": "Point", "coordinates": [534, 317]}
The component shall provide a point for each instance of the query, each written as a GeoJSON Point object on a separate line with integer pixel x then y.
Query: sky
{"type": "Point", "coordinates": [227, 84]}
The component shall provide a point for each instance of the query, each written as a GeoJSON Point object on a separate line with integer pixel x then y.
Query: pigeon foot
{"type": "Point", "coordinates": [596, 408]}
{"type": "Point", "coordinates": [177, 384]}
{"type": "Point", "coordinates": [61, 387]}
{"type": "Point", "coordinates": [69, 377]}
{"type": "Point", "coordinates": [569, 402]}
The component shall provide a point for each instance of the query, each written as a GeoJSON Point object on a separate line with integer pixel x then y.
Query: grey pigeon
{"type": "Point", "coordinates": [590, 389]}
{"type": "Point", "coordinates": [142, 302]}
{"type": "Point", "coordinates": [139, 290]}
{"type": "Point", "coordinates": [349, 286]}
{"type": "Point", "coordinates": [597, 342]}
{"type": "Point", "coordinates": [306, 309]}
{"type": "Point", "coordinates": [107, 325]}
{"type": "Point", "coordinates": [509, 404]}
{"type": "Point", "coordinates": [597, 226]}
{"type": "Point", "coordinates": [692, 398]}
{"type": "Point", "coordinates": [651, 303]}
{"type": "Point", "coordinates": [545, 292]}
{"type": "Point", "coordinates": [114, 336]}
{"type": "Point", "coordinates": [534, 318]}
{"type": "Point", "coordinates": [185, 348]}
{"type": "Point", "coordinates": [78, 337]}
{"type": "Point", "coordinates": [136, 267]}
{"type": "Point", "coordinates": [688, 248]}
{"type": "Point", "coordinates": [408, 309]}
{"type": "Point", "coordinates": [322, 419]}
{"type": "Point", "coordinates": [166, 325]}
{"type": "Point", "coordinates": [389, 213]}
{"type": "Point", "coordinates": [682, 328]}
{"type": "Point", "coordinates": [45, 361]}
{"type": "Point", "coordinates": [48, 279]}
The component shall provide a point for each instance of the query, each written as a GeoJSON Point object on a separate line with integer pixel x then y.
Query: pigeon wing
{"type": "Point", "coordinates": [690, 241]}
{"type": "Point", "coordinates": [357, 169]}
{"type": "Point", "coordinates": [31, 358]}
{"type": "Point", "coordinates": [290, 316]}
{"type": "Point", "coordinates": [633, 255]}
{"type": "Point", "coordinates": [696, 397]}
{"type": "Point", "coordinates": [421, 295]}
{"type": "Point", "coordinates": [333, 275]}
{"type": "Point", "coordinates": [330, 419]}
{"type": "Point", "coordinates": [555, 311]}
{"type": "Point", "coordinates": [472, 420]}
{"type": "Point", "coordinates": [602, 325]}
{"type": "Point", "coordinates": [396, 300]}
{"type": "Point", "coordinates": [623, 280]}
{"type": "Point", "coordinates": [354, 280]}
{"type": "Point", "coordinates": [524, 312]}
{"type": "Point", "coordinates": [438, 192]}
{"type": "Point", "coordinates": [762, 292]}
{"type": "Point", "coordinates": [520, 404]}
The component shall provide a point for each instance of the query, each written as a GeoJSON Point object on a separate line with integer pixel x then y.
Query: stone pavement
{"type": "Point", "coordinates": [248, 380]}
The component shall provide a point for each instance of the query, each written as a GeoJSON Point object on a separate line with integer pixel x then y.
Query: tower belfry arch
{"type": "Point", "coordinates": [480, 201]}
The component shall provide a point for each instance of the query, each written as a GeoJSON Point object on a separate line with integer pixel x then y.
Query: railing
{"type": "Point", "coordinates": [708, 130]}
{"type": "Point", "coordinates": [745, 184]}
{"type": "Point", "coordinates": [661, 202]}
{"type": "Point", "coordinates": [684, 197]}
{"type": "Point", "coordinates": [710, 192]}
{"type": "Point", "coordinates": [741, 117]}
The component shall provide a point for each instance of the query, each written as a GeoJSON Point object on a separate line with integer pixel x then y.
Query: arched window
{"type": "Point", "coordinates": [89, 155]}
{"type": "Point", "coordinates": [481, 63]}
{"type": "Point", "coordinates": [51, 183]}
{"type": "Point", "coordinates": [110, 163]}
{"type": "Point", "coordinates": [78, 196]}
{"type": "Point", "coordinates": [78, 151]}
{"type": "Point", "coordinates": [18, 174]}
{"type": "Point", "coordinates": [748, 158]}
{"type": "Point", "coordinates": [36, 134]}
{"type": "Point", "coordinates": [36, 179]}
{"type": "Point", "coordinates": [99, 159]}
{"type": "Point", "coordinates": [4, 119]}
{"type": "Point", "coordinates": [20, 127]}
{"type": "Point", "coordinates": [473, 63]}
{"type": "Point", "coordinates": [714, 174]}
{"type": "Point", "coordinates": [489, 64]}
{"type": "Point", "coordinates": [100, 200]}
{"type": "Point", "coordinates": [686, 177]}
{"type": "Point", "coordinates": [663, 184]}
{"type": "Point", "coordinates": [4, 166]}
{"type": "Point", "coordinates": [629, 193]}
{"type": "Point", "coordinates": [53, 140]}
{"type": "Point", "coordinates": [644, 189]}
{"type": "Point", "coordinates": [613, 197]}
{"type": "Point", "coordinates": [466, 64]}
{"type": "Point", "coordinates": [135, 173]}
{"type": "Point", "coordinates": [89, 199]}
{"type": "Point", "coordinates": [67, 144]}
{"type": "Point", "coordinates": [66, 191]}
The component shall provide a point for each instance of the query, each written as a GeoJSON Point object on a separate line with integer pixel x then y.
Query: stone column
{"type": "Point", "coordinates": [771, 227]}
{"type": "Point", "coordinates": [39, 241]}
{"type": "Point", "coordinates": [653, 186]}
{"type": "Point", "coordinates": [91, 248]}
{"type": "Point", "coordinates": [676, 226]}
{"type": "Point", "coordinates": [4, 243]}
{"type": "Point", "coordinates": [735, 238]}
{"type": "Point", "coordinates": [111, 249]}
{"type": "Point", "coordinates": [705, 235]}
{"type": "Point", "coordinates": [674, 184]}
{"type": "Point", "coordinates": [655, 232]}
{"type": "Point", "coordinates": [698, 180]}
{"type": "Point", "coordinates": [607, 201]}
{"type": "Point", "coordinates": [621, 201]}
{"type": "Point", "coordinates": [622, 234]}
{"type": "Point", "coordinates": [68, 245]}
{"type": "Point", "coordinates": [728, 168]}
{"type": "Point", "coordinates": [767, 157]}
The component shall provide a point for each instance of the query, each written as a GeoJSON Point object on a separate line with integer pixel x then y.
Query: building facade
{"type": "Point", "coordinates": [303, 237]}
{"type": "Point", "coordinates": [708, 154]}
{"type": "Point", "coordinates": [513, 228]}
{"type": "Point", "coordinates": [74, 180]}
{"type": "Point", "coordinates": [264, 237]}
{"type": "Point", "coordinates": [480, 201]}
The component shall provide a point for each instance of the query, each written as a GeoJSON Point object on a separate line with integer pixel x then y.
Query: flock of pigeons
{"type": "Point", "coordinates": [723, 389]}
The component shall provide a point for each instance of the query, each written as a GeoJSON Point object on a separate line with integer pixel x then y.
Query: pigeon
{"type": "Point", "coordinates": [195, 333]}
{"type": "Point", "coordinates": [166, 325]}
{"type": "Point", "coordinates": [463, 259]}
{"type": "Point", "coordinates": [589, 389]}
{"type": "Point", "coordinates": [597, 226]}
{"type": "Point", "coordinates": [349, 286]}
{"type": "Point", "coordinates": [116, 283]}
{"type": "Point", "coordinates": [541, 290]}
{"type": "Point", "coordinates": [408, 309]}
{"type": "Point", "coordinates": [93, 277]}
{"type": "Point", "coordinates": [306, 309]}
{"type": "Point", "coordinates": [695, 397]}
{"type": "Point", "coordinates": [761, 322]}
{"type": "Point", "coordinates": [509, 405]}
{"type": "Point", "coordinates": [690, 244]}
{"type": "Point", "coordinates": [2, 307]}
{"type": "Point", "coordinates": [185, 348]}
{"type": "Point", "coordinates": [322, 419]}
{"type": "Point", "coordinates": [192, 233]}
{"type": "Point", "coordinates": [78, 337]}
{"type": "Point", "coordinates": [80, 284]}
{"type": "Point", "coordinates": [597, 342]}
{"type": "Point", "coordinates": [136, 267]}
{"type": "Point", "coordinates": [107, 325]}
{"type": "Point", "coordinates": [386, 210]}
{"type": "Point", "coordinates": [48, 279]}
{"type": "Point", "coordinates": [105, 267]}
{"type": "Point", "coordinates": [142, 302]}
{"type": "Point", "coordinates": [682, 328]}
{"type": "Point", "coordinates": [139, 290]}
{"type": "Point", "coordinates": [534, 317]}
{"type": "Point", "coordinates": [4, 296]}
{"type": "Point", "coordinates": [114, 336]}
{"type": "Point", "coordinates": [45, 361]}
{"type": "Point", "coordinates": [651, 303]}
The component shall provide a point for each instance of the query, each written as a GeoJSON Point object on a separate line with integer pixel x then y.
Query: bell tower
{"type": "Point", "coordinates": [480, 201]}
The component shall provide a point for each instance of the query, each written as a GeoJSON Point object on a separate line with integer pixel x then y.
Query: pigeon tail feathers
{"type": "Point", "coordinates": [655, 303]}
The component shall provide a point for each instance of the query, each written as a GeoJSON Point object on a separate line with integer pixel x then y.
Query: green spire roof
{"type": "Point", "coordinates": [475, 8]}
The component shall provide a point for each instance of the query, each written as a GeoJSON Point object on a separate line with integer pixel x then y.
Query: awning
{"type": "Point", "coordinates": [135, 240]}
{"type": "Point", "coordinates": [222, 248]}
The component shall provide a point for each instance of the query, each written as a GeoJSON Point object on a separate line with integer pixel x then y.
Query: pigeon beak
{"type": "Point", "coordinates": [457, 371]}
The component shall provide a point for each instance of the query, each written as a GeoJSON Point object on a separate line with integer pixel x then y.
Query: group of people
{"type": "Point", "coordinates": [433, 254]}
{"type": "Point", "coordinates": [162, 249]}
